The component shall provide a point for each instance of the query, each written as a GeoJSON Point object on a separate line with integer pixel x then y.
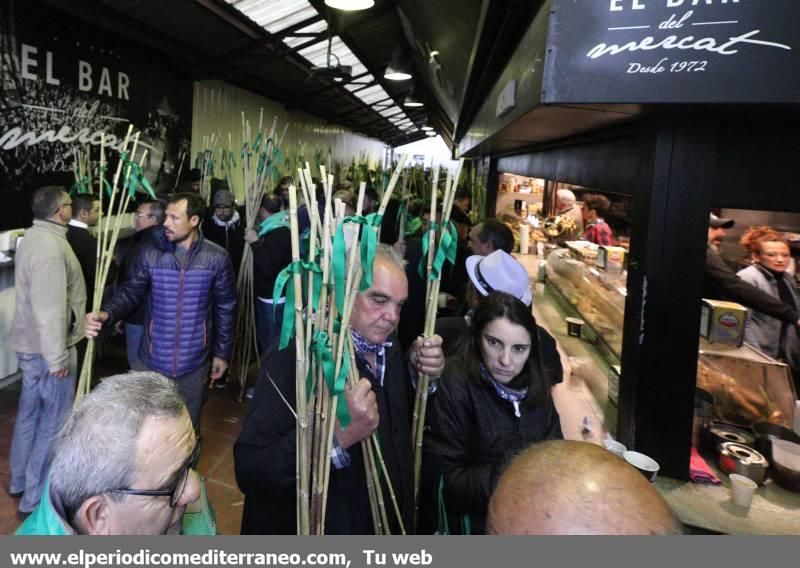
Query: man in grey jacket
{"type": "Point", "coordinates": [48, 322]}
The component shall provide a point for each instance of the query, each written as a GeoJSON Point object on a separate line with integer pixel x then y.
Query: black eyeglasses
{"type": "Point", "coordinates": [176, 488]}
{"type": "Point", "coordinates": [140, 215]}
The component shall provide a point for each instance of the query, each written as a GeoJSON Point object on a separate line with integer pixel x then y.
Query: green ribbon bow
{"type": "Point", "coordinates": [323, 350]}
{"type": "Point", "coordinates": [297, 267]}
{"type": "Point", "coordinates": [369, 244]}
{"type": "Point", "coordinates": [262, 163]}
{"type": "Point", "coordinates": [423, 261]}
{"type": "Point", "coordinates": [274, 221]}
{"type": "Point", "coordinates": [80, 186]}
{"type": "Point", "coordinates": [448, 246]}
{"type": "Point", "coordinates": [137, 179]}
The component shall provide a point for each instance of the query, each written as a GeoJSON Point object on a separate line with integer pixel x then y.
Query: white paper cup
{"type": "Point", "coordinates": [645, 464]}
{"type": "Point", "coordinates": [742, 489]}
{"type": "Point", "coordinates": [615, 447]}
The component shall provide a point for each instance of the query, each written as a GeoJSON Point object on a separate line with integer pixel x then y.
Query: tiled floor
{"type": "Point", "coordinates": [220, 425]}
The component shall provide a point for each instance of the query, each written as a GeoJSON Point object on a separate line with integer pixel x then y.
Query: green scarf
{"type": "Point", "coordinates": [274, 221]}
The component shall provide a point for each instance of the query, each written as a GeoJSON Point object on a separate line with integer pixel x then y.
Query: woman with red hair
{"type": "Point", "coordinates": [770, 256]}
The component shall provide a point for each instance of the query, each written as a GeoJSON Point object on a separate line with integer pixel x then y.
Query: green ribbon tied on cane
{"type": "Point", "coordinates": [257, 143]}
{"type": "Point", "coordinates": [228, 160]}
{"type": "Point", "coordinates": [448, 245]}
{"type": "Point", "coordinates": [296, 267]}
{"type": "Point", "coordinates": [262, 163]}
{"type": "Point", "coordinates": [209, 163]}
{"type": "Point", "coordinates": [369, 244]}
{"type": "Point", "coordinates": [323, 351]}
{"type": "Point", "coordinates": [137, 179]}
{"type": "Point", "coordinates": [423, 261]}
{"type": "Point", "coordinates": [80, 186]}
{"type": "Point", "coordinates": [104, 182]}
{"type": "Point", "coordinates": [246, 153]}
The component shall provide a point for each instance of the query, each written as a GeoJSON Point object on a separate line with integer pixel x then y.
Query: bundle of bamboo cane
{"type": "Point", "coordinates": [82, 170]}
{"type": "Point", "coordinates": [258, 163]}
{"type": "Point", "coordinates": [119, 198]}
{"type": "Point", "coordinates": [325, 359]}
{"type": "Point", "coordinates": [445, 249]}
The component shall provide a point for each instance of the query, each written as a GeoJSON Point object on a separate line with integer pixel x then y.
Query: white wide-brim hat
{"type": "Point", "coordinates": [499, 272]}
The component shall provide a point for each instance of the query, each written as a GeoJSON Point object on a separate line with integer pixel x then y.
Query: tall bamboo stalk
{"type": "Point", "coordinates": [105, 251]}
{"type": "Point", "coordinates": [421, 401]}
{"type": "Point", "coordinates": [300, 373]}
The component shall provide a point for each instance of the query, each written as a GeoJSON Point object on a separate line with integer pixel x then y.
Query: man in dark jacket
{"type": "Point", "coordinates": [265, 453]}
{"type": "Point", "coordinates": [148, 219]}
{"type": "Point", "coordinates": [189, 285]}
{"type": "Point", "coordinates": [721, 282]}
{"type": "Point", "coordinates": [272, 252]}
{"type": "Point", "coordinates": [85, 213]}
{"type": "Point", "coordinates": [225, 227]}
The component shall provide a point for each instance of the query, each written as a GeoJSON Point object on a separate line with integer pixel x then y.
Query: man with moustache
{"type": "Point", "coordinates": [191, 302]}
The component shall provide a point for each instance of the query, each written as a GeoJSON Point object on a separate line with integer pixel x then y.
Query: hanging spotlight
{"type": "Point", "coordinates": [412, 101]}
{"type": "Point", "coordinates": [350, 5]}
{"type": "Point", "coordinates": [397, 70]}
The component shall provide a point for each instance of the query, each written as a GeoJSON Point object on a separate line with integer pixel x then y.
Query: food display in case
{"type": "Point", "coordinates": [596, 295]}
{"type": "Point", "coordinates": [746, 385]}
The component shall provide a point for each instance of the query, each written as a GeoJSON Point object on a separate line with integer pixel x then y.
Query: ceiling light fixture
{"type": "Point", "coordinates": [411, 101]}
{"type": "Point", "coordinates": [431, 134]}
{"type": "Point", "coordinates": [427, 128]}
{"type": "Point", "coordinates": [350, 5]}
{"type": "Point", "coordinates": [397, 70]}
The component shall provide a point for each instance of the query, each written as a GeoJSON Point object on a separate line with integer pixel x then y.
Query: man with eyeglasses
{"type": "Point", "coordinates": [48, 323]}
{"type": "Point", "coordinates": [148, 219]}
{"type": "Point", "coordinates": [124, 463]}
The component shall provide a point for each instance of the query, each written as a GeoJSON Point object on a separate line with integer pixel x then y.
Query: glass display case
{"type": "Point", "coordinates": [596, 296]}
{"type": "Point", "coordinates": [746, 385]}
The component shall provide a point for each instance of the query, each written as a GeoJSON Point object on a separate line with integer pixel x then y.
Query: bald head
{"type": "Point", "coordinates": [568, 487]}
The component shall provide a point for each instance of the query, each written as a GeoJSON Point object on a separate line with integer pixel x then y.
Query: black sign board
{"type": "Point", "coordinates": [63, 83]}
{"type": "Point", "coordinates": [673, 51]}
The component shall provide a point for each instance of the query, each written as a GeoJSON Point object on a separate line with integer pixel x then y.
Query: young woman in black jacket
{"type": "Point", "coordinates": [492, 402]}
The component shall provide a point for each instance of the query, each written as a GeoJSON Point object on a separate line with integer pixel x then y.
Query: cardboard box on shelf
{"type": "Point", "coordinates": [722, 322]}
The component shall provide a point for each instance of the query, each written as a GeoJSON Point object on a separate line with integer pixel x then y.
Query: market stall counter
{"type": "Point", "coordinates": [589, 378]}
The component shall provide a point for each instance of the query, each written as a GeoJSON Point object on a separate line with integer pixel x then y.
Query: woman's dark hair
{"type": "Point", "coordinates": [467, 360]}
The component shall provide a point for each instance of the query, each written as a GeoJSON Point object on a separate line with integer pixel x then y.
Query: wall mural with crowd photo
{"type": "Point", "coordinates": [64, 84]}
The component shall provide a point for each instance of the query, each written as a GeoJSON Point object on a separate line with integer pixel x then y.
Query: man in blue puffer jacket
{"type": "Point", "coordinates": [191, 307]}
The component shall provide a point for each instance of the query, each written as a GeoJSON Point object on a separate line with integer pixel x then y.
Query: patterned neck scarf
{"type": "Point", "coordinates": [364, 346]}
{"type": "Point", "coordinates": [505, 392]}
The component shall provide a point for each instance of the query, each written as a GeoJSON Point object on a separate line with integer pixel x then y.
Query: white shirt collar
{"type": "Point", "coordinates": [80, 224]}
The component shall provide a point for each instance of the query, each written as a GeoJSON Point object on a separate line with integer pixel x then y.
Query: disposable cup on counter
{"type": "Point", "coordinates": [646, 465]}
{"type": "Point", "coordinates": [742, 490]}
{"type": "Point", "coordinates": [615, 447]}
{"type": "Point", "coordinates": [574, 326]}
